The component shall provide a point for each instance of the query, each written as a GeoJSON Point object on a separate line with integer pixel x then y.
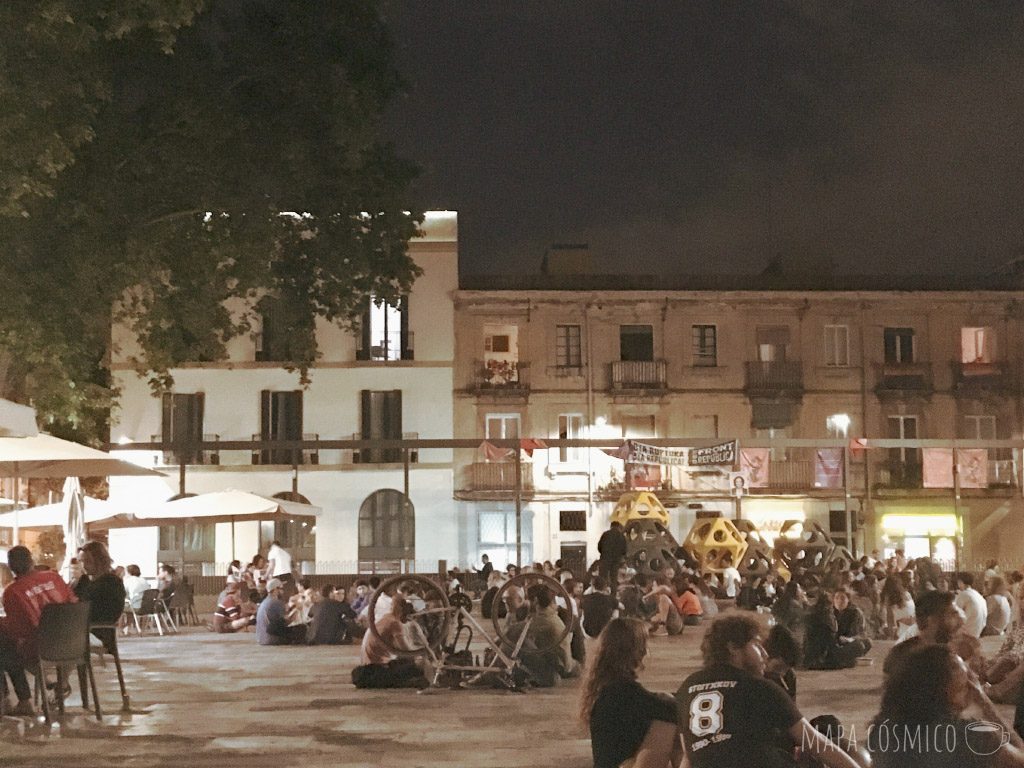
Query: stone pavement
{"type": "Point", "coordinates": [219, 701]}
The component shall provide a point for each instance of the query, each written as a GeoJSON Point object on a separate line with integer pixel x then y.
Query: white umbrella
{"type": "Point", "coordinates": [74, 523]}
{"type": "Point", "coordinates": [230, 504]}
{"type": "Point", "coordinates": [55, 515]}
{"type": "Point", "coordinates": [17, 420]}
{"type": "Point", "coordinates": [48, 456]}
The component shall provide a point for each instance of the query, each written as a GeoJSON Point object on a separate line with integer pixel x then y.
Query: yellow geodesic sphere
{"type": "Point", "coordinates": [639, 505]}
{"type": "Point", "coordinates": [716, 543]}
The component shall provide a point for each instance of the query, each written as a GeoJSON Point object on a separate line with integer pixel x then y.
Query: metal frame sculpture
{"type": "Point", "coordinates": [716, 543]}
{"type": "Point", "coordinates": [803, 546]}
{"type": "Point", "coordinates": [650, 546]}
{"type": "Point", "coordinates": [758, 559]}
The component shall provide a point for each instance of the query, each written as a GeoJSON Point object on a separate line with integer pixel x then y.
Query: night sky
{"type": "Point", "coordinates": [711, 136]}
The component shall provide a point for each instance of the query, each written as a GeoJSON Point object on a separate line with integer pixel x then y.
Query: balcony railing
{"type": "Point", "coordinates": [901, 379]}
{"type": "Point", "coordinates": [979, 377]}
{"type": "Point", "coordinates": [509, 376]}
{"type": "Point", "coordinates": [790, 476]}
{"type": "Point", "coordinates": [384, 455]}
{"type": "Point", "coordinates": [898, 474]}
{"type": "Point", "coordinates": [774, 377]}
{"type": "Point", "coordinates": [639, 374]}
{"type": "Point", "coordinates": [170, 453]}
{"type": "Point", "coordinates": [287, 455]}
{"type": "Point", "coordinates": [498, 476]}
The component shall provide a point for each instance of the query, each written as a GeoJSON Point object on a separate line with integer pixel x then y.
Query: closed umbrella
{"type": "Point", "coordinates": [74, 523]}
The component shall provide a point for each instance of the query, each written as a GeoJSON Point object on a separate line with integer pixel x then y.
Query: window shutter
{"type": "Point", "coordinates": [265, 427]}
{"type": "Point", "coordinates": [890, 345]}
{"type": "Point", "coordinates": [366, 414]}
{"type": "Point", "coordinates": [198, 408]}
{"type": "Point", "coordinates": [363, 338]}
{"type": "Point", "coordinates": [393, 429]}
{"type": "Point", "coordinates": [407, 350]}
{"type": "Point", "coordinates": [167, 422]}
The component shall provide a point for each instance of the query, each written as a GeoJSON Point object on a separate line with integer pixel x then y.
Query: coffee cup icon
{"type": "Point", "coordinates": [985, 737]}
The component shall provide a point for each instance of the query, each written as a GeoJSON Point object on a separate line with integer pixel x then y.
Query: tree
{"type": "Point", "coordinates": [217, 151]}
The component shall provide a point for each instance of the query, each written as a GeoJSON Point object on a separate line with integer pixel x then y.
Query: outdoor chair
{"type": "Point", "coordinates": [152, 608]}
{"type": "Point", "coordinates": [182, 605]}
{"type": "Point", "coordinates": [107, 635]}
{"type": "Point", "coordinates": [62, 641]}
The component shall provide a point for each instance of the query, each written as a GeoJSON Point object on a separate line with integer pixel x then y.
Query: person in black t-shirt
{"type": "Point", "coordinates": [598, 607]}
{"type": "Point", "coordinates": [612, 548]}
{"type": "Point", "coordinates": [732, 717]}
{"type": "Point", "coordinates": [102, 589]}
{"type": "Point", "coordinates": [625, 719]}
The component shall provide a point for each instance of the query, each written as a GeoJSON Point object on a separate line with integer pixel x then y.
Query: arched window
{"type": "Point", "coordinates": [387, 527]}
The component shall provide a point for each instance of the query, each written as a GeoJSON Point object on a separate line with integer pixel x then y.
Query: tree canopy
{"type": "Point", "coordinates": [160, 157]}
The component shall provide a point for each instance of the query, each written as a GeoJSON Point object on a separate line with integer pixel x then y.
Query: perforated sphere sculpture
{"type": "Point", "coordinates": [715, 543]}
{"type": "Point", "coordinates": [758, 559]}
{"type": "Point", "coordinates": [805, 546]}
{"type": "Point", "coordinates": [649, 546]}
{"type": "Point", "coordinates": [639, 505]}
{"type": "Point", "coordinates": [841, 558]}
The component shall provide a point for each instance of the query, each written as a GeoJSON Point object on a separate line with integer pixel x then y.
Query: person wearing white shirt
{"type": "Point", "coordinates": [134, 586]}
{"type": "Point", "coordinates": [279, 566]}
{"type": "Point", "coordinates": [730, 579]}
{"type": "Point", "coordinates": [970, 602]}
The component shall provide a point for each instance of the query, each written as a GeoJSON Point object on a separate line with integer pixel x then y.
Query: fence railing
{"type": "Point", "coordinates": [639, 374]}
{"type": "Point", "coordinates": [497, 476]}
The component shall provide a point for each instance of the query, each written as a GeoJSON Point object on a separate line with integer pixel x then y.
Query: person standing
{"type": "Point", "coordinates": [612, 550]}
{"type": "Point", "coordinates": [279, 566]}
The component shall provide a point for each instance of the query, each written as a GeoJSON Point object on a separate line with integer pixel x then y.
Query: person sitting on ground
{"type": "Point", "coordinates": [732, 716]}
{"type": "Point", "coordinates": [103, 591]}
{"type": "Point", "coordinates": [926, 696]}
{"type": "Point", "coordinates": [232, 615]}
{"type": "Point", "coordinates": [255, 574]}
{"type": "Point", "coordinates": [820, 634]}
{"type": "Point", "coordinates": [708, 604]}
{"type": "Point", "coordinates": [687, 602]}
{"type": "Point", "coordinates": [898, 608]}
{"type": "Point", "coordinates": [599, 607]}
{"type": "Point", "coordinates": [972, 604]}
{"type": "Point", "coordinates": [23, 602]}
{"type": "Point", "coordinates": [299, 604]}
{"type": "Point", "coordinates": [731, 579]}
{"type": "Point", "coordinates": [362, 596]}
{"type": "Point", "coordinates": [271, 626]}
{"type": "Point", "coordinates": [379, 667]}
{"type": "Point", "coordinates": [783, 656]}
{"type": "Point", "coordinates": [998, 608]}
{"type": "Point", "coordinates": [790, 608]}
{"type": "Point", "coordinates": [494, 582]}
{"type": "Point", "coordinates": [329, 618]}
{"type": "Point", "coordinates": [545, 657]}
{"type": "Point", "coordinates": [851, 631]}
{"type": "Point", "coordinates": [134, 586]}
{"type": "Point", "coordinates": [665, 619]}
{"type": "Point", "coordinates": [340, 595]}
{"type": "Point", "coordinates": [938, 621]}
{"type": "Point", "coordinates": [625, 720]}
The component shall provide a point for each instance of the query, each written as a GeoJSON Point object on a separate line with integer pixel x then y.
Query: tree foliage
{"type": "Point", "coordinates": [166, 156]}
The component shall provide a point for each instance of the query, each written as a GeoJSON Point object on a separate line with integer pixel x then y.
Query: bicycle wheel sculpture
{"type": "Point", "coordinates": [429, 624]}
{"type": "Point", "coordinates": [515, 594]}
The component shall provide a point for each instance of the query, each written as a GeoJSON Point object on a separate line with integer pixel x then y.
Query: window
{"type": "Point", "coordinates": [638, 426]}
{"type": "Point", "coordinates": [497, 536]}
{"type": "Point", "coordinates": [703, 426]}
{"type": "Point", "coordinates": [977, 345]}
{"type": "Point", "coordinates": [568, 350]}
{"type": "Point", "coordinates": [498, 343]}
{"type": "Point", "coordinates": [192, 538]}
{"type": "Point", "coordinates": [979, 428]}
{"type": "Point", "coordinates": [384, 331]}
{"type": "Point", "coordinates": [899, 345]}
{"type": "Point", "coordinates": [572, 520]}
{"type": "Point", "coordinates": [904, 428]}
{"type": "Point", "coordinates": [182, 424]}
{"type": "Point", "coordinates": [280, 419]}
{"type": "Point", "coordinates": [837, 346]}
{"type": "Point", "coordinates": [705, 346]}
{"type": "Point", "coordinates": [381, 419]}
{"type": "Point", "coordinates": [838, 426]}
{"type": "Point", "coordinates": [570, 427]}
{"type": "Point", "coordinates": [501, 426]}
{"type": "Point", "coordinates": [772, 414]}
{"type": "Point", "coordinates": [387, 527]}
{"type": "Point", "coordinates": [293, 535]}
{"type": "Point", "coordinates": [772, 341]}
{"type": "Point", "coordinates": [272, 339]}
{"type": "Point", "coordinates": [636, 342]}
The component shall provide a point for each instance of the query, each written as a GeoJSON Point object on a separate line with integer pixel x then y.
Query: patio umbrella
{"type": "Point", "coordinates": [54, 515]}
{"type": "Point", "coordinates": [17, 420]}
{"type": "Point", "coordinates": [228, 505]}
{"type": "Point", "coordinates": [74, 523]}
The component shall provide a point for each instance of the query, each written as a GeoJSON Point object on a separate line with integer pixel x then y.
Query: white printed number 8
{"type": "Point", "coordinates": [706, 713]}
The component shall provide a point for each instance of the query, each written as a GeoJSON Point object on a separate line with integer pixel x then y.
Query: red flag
{"type": "Point", "coordinates": [531, 444]}
{"type": "Point", "coordinates": [858, 445]}
{"type": "Point", "coordinates": [491, 452]}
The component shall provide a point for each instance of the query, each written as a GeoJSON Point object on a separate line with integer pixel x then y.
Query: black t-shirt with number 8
{"type": "Point", "coordinates": [733, 719]}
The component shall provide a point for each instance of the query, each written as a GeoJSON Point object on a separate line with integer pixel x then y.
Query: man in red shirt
{"type": "Point", "coordinates": [23, 602]}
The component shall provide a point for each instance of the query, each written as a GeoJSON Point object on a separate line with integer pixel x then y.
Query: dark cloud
{"type": "Point", "coordinates": [710, 135]}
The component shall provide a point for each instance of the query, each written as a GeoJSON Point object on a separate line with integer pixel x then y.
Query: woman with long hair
{"type": "Point", "coordinates": [898, 609]}
{"type": "Point", "coordinates": [921, 722]}
{"type": "Point", "coordinates": [627, 723]}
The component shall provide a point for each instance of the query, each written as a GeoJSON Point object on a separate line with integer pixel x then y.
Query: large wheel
{"type": "Point", "coordinates": [524, 582]}
{"type": "Point", "coordinates": [433, 614]}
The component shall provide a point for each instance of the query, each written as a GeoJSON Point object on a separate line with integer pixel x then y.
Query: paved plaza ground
{"type": "Point", "coordinates": [219, 701]}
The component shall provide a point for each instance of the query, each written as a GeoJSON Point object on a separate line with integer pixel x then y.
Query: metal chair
{"type": "Point", "coordinates": [62, 641]}
{"type": "Point", "coordinates": [182, 605]}
{"type": "Point", "coordinates": [151, 608]}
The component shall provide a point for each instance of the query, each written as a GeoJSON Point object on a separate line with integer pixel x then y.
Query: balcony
{"type": "Point", "coordinates": [204, 457]}
{"type": "Point", "coordinates": [975, 379]}
{"type": "Point", "coordinates": [773, 378]}
{"type": "Point", "coordinates": [639, 374]}
{"type": "Point", "coordinates": [287, 455]}
{"type": "Point", "coordinates": [795, 476]}
{"type": "Point", "coordinates": [501, 377]}
{"type": "Point", "coordinates": [901, 380]}
{"type": "Point", "coordinates": [898, 474]}
{"type": "Point", "coordinates": [498, 476]}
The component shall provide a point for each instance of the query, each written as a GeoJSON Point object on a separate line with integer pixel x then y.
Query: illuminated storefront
{"type": "Point", "coordinates": [921, 532]}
